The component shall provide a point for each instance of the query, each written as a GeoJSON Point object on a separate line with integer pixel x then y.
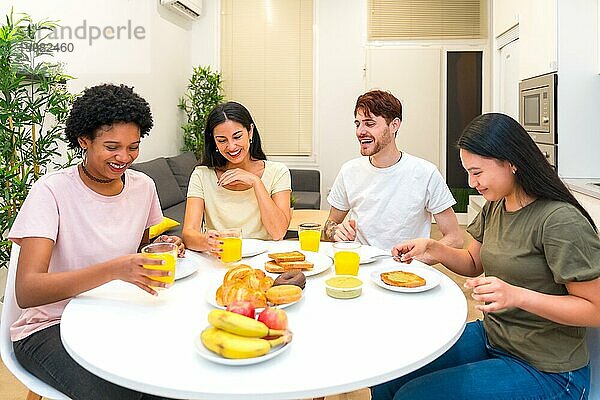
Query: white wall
{"type": "Point", "coordinates": [157, 65]}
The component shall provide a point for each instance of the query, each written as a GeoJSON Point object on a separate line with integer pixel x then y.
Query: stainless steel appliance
{"type": "Point", "coordinates": [537, 112]}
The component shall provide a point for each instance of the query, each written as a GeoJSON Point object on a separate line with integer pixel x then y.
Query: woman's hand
{"type": "Point", "coordinates": [494, 293]}
{"type": "Point", "coordinates": [346, 231]}
{"type": "Point", "coordinates": [215, 244]}
{"type": "Point", "coordinates": [411, 249]}
{"type": "Point", "coordinates": [130, 268]}
{"type": "Point", "coordinates": [172, 239]}
{"type": "Point", "coordinates": [237, 176]}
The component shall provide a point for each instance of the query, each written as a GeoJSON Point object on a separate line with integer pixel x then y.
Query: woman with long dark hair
{"type": "Point", "coordinates": [540, 254]}
{"type": "Point", "coordinates": [235, 185]}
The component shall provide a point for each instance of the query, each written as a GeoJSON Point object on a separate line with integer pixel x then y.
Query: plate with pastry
{"type": "Point", "coordinates": [243, 282]}
{"type": "Point", "coordinates": [406, 278]}
{"type": "Point", "coordinates": [310, 263]}
{"type": "Point", "coordinates": [252, 247]}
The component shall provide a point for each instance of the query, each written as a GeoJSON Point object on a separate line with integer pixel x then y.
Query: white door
{"type": "Point", "coordinates": [413, 76]}
{"type": "Point", "coordinates": [509, 79]}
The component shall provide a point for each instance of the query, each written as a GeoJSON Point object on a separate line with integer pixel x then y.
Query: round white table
{"type": "Point", "coordinates": [145, 343]}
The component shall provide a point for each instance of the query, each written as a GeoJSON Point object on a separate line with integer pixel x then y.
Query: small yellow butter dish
{"type": "Point", "coordinates": [343, 286]}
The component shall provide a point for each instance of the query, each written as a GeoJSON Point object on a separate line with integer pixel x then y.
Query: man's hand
{"type": "Point", "coordinates": [346, 231]}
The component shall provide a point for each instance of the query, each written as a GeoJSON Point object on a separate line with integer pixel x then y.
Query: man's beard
{"type": "Point", "coordinates": [378, 145]}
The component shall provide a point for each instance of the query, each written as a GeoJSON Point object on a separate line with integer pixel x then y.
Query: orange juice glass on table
{"type": "Point", "coordinates": [309, 235]}
{"type": "Point", "coordinates": [232, 245]}
{"type": "Point", "coordinates": [346, 258]}
{"type": "Point", "coordinates": [162, 251]}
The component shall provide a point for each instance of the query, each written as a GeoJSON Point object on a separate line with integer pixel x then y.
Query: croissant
{"type": "Point", "coordinates": [238, 291]}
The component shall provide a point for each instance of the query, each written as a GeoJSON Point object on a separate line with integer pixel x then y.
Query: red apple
{"type": "Point", "coordinates": [274, 318]}
{"type": "Point", "coordinates": [242, 307]}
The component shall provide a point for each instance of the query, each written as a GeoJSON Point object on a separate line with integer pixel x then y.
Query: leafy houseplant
{"type": "Point", "coordinates": [204, 92]}
{"type": "Point", "coordinates": [34, 105]}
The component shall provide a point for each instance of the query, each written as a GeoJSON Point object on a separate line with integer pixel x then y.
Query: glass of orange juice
{"type": "Point", "coordinates": [232, 244]}
{"type": "Point", "coordinates": [162, 251]}
{"type": "Point", "coordinates": [309, 235]}
{"type": "Point", "coordinates": [346, 258]}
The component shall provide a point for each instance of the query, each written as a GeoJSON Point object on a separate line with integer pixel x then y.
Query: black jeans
{"type": "Point", "coordinates": [43, 355]}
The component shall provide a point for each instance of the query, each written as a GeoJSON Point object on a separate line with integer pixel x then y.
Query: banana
{"type": "Point", "coordinates": [229, 345]}
{"type": "Point", "coordinates": [240, 324]}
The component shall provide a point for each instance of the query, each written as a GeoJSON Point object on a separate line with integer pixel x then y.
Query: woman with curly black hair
{"type": "Point", "coordinates": [81, 227]}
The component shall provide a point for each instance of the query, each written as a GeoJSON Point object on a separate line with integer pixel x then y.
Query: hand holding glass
{"type": "Point", "coordinates": [166, 252]}
{"type": "Point", "coordinates": [309, 235]}
{"type": "Point", "coordinates": [232, 245]}
{"type": "Point", "coordinates": [346, 258]}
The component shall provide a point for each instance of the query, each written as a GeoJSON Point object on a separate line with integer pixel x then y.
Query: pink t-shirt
{"type": "Point", "coordinates": [87, 228]}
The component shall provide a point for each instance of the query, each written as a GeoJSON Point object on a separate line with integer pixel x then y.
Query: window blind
{"type": "Point", "coordinates": [267, 65]}
{"type": "Point", "coordinates": [427, 19]}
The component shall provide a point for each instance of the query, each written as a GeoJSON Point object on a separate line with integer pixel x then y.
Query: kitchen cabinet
{"type": "Point", "coordinates": [538, 37]}
{"type": "Point", "coordinates": [537, 20]}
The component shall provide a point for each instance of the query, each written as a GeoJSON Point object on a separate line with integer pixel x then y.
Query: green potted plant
{"type": "Point", "coordinates": [34, 104]}
{"type": "Point", "coordinates": [204, 92]}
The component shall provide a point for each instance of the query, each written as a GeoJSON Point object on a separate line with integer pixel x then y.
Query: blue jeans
{"type": "Point", "coordinates": [473, 369]}
{"type": "Point", "coordinates": [43, 355]}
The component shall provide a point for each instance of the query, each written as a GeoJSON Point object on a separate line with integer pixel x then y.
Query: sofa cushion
{"type": "Point", "coordinates": [176, 212]}
{"type": "Point", "coordinates": [166, 184]}
{"type": "Point", "coordinates": [182, 166]}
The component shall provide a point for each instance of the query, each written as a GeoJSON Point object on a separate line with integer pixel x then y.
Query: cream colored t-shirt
{"type": "Point", "coordinates": [224, 208]}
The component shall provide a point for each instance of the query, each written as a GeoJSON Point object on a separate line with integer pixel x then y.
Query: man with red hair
{"type": "Point", "coordinates": [390, 195]}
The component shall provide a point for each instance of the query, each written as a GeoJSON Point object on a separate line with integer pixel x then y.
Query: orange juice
{"type": "Point", "coordinates": [162, 251]}
{"type": "Point", "coordinates": [170, 261]}
{"type": "Point", "coordinates": [232, 249]}
{"type": "Point", "coordinates": [309, 240]}
{"type": "Point", "coordinates": [346, 262]}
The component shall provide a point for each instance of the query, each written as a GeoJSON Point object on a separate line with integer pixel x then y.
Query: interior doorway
{"type": "Point", "coordinates": [464, 93]}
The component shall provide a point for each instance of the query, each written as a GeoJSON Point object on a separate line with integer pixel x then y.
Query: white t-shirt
{"type": "Point", "coordinates": [87, 228]}
{"type": "Point", "coordinates": [225, 208]}
{"type": "Point", "coordinates": [393, 204]}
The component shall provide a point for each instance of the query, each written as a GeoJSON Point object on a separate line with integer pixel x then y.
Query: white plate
{"type": "Point", "coordinates": [431, 276]}
{"type": "Point", "coordinates": [209, 355]}
{"type": "Point", "coordinates": [321, 261]}
{"type": "Point", "coordinates": [185, 266]}
{"type": "Point", "coordinates": [252, 247]}
{"type": "Point", "coordinates": [367, 253]}
{"type": "Point", "coordinates": [211, 298]}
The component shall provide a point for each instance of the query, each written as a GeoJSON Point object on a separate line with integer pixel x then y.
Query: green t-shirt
{"type": "Point", "coordinates": [540, 247]}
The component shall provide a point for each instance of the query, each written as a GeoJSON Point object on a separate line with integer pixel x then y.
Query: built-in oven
{"type": "Point", "coordinates": [537, 112]}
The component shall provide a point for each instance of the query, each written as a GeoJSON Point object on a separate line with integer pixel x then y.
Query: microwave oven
{"type": "Point", "coordinates": [537, 108]}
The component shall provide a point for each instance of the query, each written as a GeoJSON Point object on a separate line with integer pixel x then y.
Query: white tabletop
{"type": "Point", "coordinates": [145, 343]}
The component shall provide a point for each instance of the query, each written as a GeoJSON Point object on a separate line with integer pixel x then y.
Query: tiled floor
{"type": "Point", "coordinates": [11, 389]}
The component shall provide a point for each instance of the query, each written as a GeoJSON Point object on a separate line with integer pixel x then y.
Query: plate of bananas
{"type": "Point", "coordinates": [234, 339]}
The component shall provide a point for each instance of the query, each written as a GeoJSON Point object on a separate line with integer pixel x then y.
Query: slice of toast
{"type": "Point", "coordinates": [402, 278]}
{"type": "Point", "coordinates": [273, 267]}
{"type": "Point", "coordinates": [287, 256]}
{"type": "Point", "coordinates": [301, 265]}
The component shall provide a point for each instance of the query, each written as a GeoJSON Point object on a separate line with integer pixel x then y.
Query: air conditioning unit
{"type": "Point", "coordinates": [189, 8]}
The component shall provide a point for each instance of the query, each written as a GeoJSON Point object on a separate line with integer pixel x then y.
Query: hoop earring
{"type": "Point", "coordinates": [85, 157]}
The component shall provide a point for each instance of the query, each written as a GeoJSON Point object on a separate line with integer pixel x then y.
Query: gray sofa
{"type": "Point", "coordinates": [171, 176]}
